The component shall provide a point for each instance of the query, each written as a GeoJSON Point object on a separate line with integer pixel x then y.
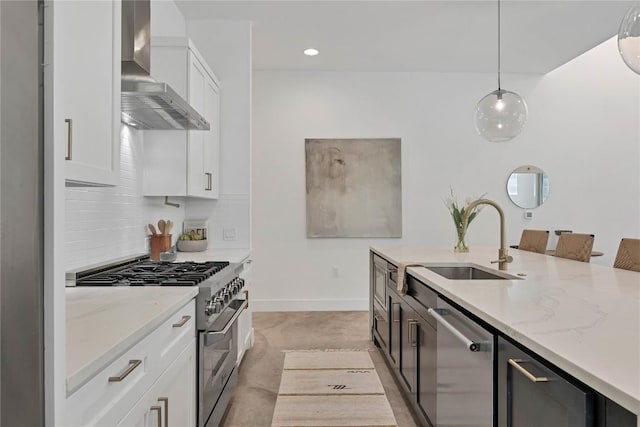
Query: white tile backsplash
{"type": "Point", "coordinates": [231, 211]}
{"type": "Point", "coordinates": [104, 223]}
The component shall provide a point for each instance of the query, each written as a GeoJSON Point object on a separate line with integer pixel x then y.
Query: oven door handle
{"type": "Point", "coordinates": [231, 321]}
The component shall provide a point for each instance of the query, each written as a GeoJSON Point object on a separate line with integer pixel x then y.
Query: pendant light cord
{"type": "Point", "coordinates": [499, 88]}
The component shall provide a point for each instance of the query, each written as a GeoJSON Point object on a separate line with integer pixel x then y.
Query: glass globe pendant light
{"type": "Point", "coordinates": [629, 37]}
{"type": "Point", "coordinates": [500, 115]}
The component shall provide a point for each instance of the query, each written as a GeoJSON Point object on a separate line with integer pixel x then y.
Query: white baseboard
{"type": "Point", "coordinates": [310, 305]}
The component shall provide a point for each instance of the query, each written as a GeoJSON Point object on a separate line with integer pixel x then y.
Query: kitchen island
{"type": "Point", "coordinates": [583, 318]}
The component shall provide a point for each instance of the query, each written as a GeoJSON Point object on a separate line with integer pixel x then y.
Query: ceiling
{"type": "Point", "coordinates": [448, 36]}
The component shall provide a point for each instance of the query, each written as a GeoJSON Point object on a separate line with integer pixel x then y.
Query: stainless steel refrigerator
{"type": "Point", "coordinates": [21, 214]}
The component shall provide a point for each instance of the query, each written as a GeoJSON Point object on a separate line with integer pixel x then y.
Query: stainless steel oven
{"type": "Point", "coordinates": [217, 372]}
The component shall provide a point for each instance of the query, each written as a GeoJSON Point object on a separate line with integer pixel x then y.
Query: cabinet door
{"type": "Point", "coordinates": [86, 62]}
{"type": "Point", "coordinates": [394, 329]}
{"type": "Point", "coordinates": [245, 329]}
{"type": "Point", "coordinates": [408, 344]}
{"type": "Point", "coordinates": [211, 148]}
{"type": "Point", "coordinates": [204, 96]}
{"type": "Point", "coordinates": [171, 401]}
{"type": "Point", "coordinates": [178, 391]}
{"type": "Point", "coordinates": [530, 394]}
{"type": "Point", "coordinates": [197, 182]}
{"type": "Point", "coordinates": [426, 378]}
{"type": "Point", "coordinates": [381, 326]}
{"type": "Point", "coordinates": [617, 416]}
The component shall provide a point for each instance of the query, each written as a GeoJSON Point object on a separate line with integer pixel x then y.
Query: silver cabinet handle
{"type": "Point", "coordinates": [159, 409]}
{"type": "Point", "coordinates": [413, 333]}
{"type": "Point", "coordinates": [472, 346]}
{"type": "Point", "coordinates": [209, 186]}
{"type": "Point", "coordinates": [516, 364]}
{"type": "Point", "coordinates": [69, 123]}
{"type": "Point", "coordinates": [182, 322]}
{"type": "Point", "coordinates": [165, 400]}
{"type": "Point", "coordinates": [133, 364]}
{"type": "Point", "coordinates": [246, 297]}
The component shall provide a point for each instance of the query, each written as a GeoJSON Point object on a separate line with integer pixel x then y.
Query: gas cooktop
{"type": "Point", "coordinates": [154, 273]}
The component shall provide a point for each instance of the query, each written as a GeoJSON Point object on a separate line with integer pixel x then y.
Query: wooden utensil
{"type": "Point", "coordinates": [152, 228]}
{"type": "Point", "coordinates": [168, 227]}
{"type": "Point", "coordinates": [161, 226]}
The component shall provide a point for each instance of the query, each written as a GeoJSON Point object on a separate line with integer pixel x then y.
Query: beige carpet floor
{"type": "Point", "coordinates": [255, 397]}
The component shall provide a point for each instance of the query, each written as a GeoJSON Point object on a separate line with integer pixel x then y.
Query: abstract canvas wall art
{"type": "Point", "coordinates": [354, 187]}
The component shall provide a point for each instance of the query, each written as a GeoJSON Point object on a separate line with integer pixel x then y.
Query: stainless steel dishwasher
{"type": "Point", "coordinates": [464, 369]}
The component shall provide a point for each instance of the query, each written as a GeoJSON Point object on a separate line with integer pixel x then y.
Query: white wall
{"type": "Point", "coordinates": [583, 130]}
{"type": "Point", "coordinates": [226, 46]}
{"type": "Point", "coordinates": [166, 20]}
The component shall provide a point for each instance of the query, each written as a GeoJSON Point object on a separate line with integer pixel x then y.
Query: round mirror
{"type": "Point", "coordinates": [528, 187]}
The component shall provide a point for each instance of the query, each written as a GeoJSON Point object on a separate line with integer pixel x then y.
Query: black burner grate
{"type": "Point", "coordinates": [149, 273]}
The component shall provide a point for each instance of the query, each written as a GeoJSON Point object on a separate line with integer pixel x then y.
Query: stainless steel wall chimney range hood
{"type": "Point", "coordinates": [146, 103]}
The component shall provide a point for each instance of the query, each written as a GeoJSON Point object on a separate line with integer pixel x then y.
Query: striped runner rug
{"type": "Point", "coordinates": [331, 388]}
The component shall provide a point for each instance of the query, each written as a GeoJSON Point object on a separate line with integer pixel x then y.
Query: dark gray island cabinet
{"type": "Point", "coordinates": [457, 369]}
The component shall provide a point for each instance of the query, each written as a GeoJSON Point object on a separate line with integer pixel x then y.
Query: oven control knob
{"type": "Point", "coordinates": [241, 283]}
{"type": "Point", "coordinates": [213, 306]}
{"type": "Point", "coordinates": [225, 295]}
{"type": "Point", "coordinates": [208, 309]}
{"type": "Point", "coordinates": [234, 288]}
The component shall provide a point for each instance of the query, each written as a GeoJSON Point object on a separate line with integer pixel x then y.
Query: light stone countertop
{"type": "Point", "coordinates": [582, 317]}
{"type": "Point", "coordinates": [102, 323]}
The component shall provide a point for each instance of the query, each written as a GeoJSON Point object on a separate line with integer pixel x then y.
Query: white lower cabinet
{"type": "Point", "coordinates": [131, 390]}
{"type": "Point", "coordinates": [171, 401]}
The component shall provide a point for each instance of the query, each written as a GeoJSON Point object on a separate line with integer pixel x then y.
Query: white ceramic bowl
{"type": "Point", "coordinates": [192, 245]}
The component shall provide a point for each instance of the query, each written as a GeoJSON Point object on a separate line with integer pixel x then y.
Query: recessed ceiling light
{"type": "Point", "coordinates": [311, 52]}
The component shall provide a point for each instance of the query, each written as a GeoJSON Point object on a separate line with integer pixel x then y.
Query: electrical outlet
{"type": "Point", "coordinates": [147, 243]}
{"type": "Point", "coordinates": [229, 234]}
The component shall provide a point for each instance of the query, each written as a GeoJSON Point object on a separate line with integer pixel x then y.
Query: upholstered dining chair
{"type": "Point", "coordinates": [534, 241]}
{"type": "Point", "coordinates": [628, 256]}
{"type": "Point", "coordinates": [575, 246]}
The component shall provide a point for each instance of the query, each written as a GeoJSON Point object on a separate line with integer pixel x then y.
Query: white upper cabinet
{"type": "Point", "coordinates": [179, 162]}
{"type": "Point", "coordinates": [86, 89]}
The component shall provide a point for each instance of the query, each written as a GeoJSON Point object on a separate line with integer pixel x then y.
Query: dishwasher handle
{"type": "Point", "coordinates": [470, 344]}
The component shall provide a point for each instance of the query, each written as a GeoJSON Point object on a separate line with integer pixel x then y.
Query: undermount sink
{"type": "Point", "coordinates": [467, 272]}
